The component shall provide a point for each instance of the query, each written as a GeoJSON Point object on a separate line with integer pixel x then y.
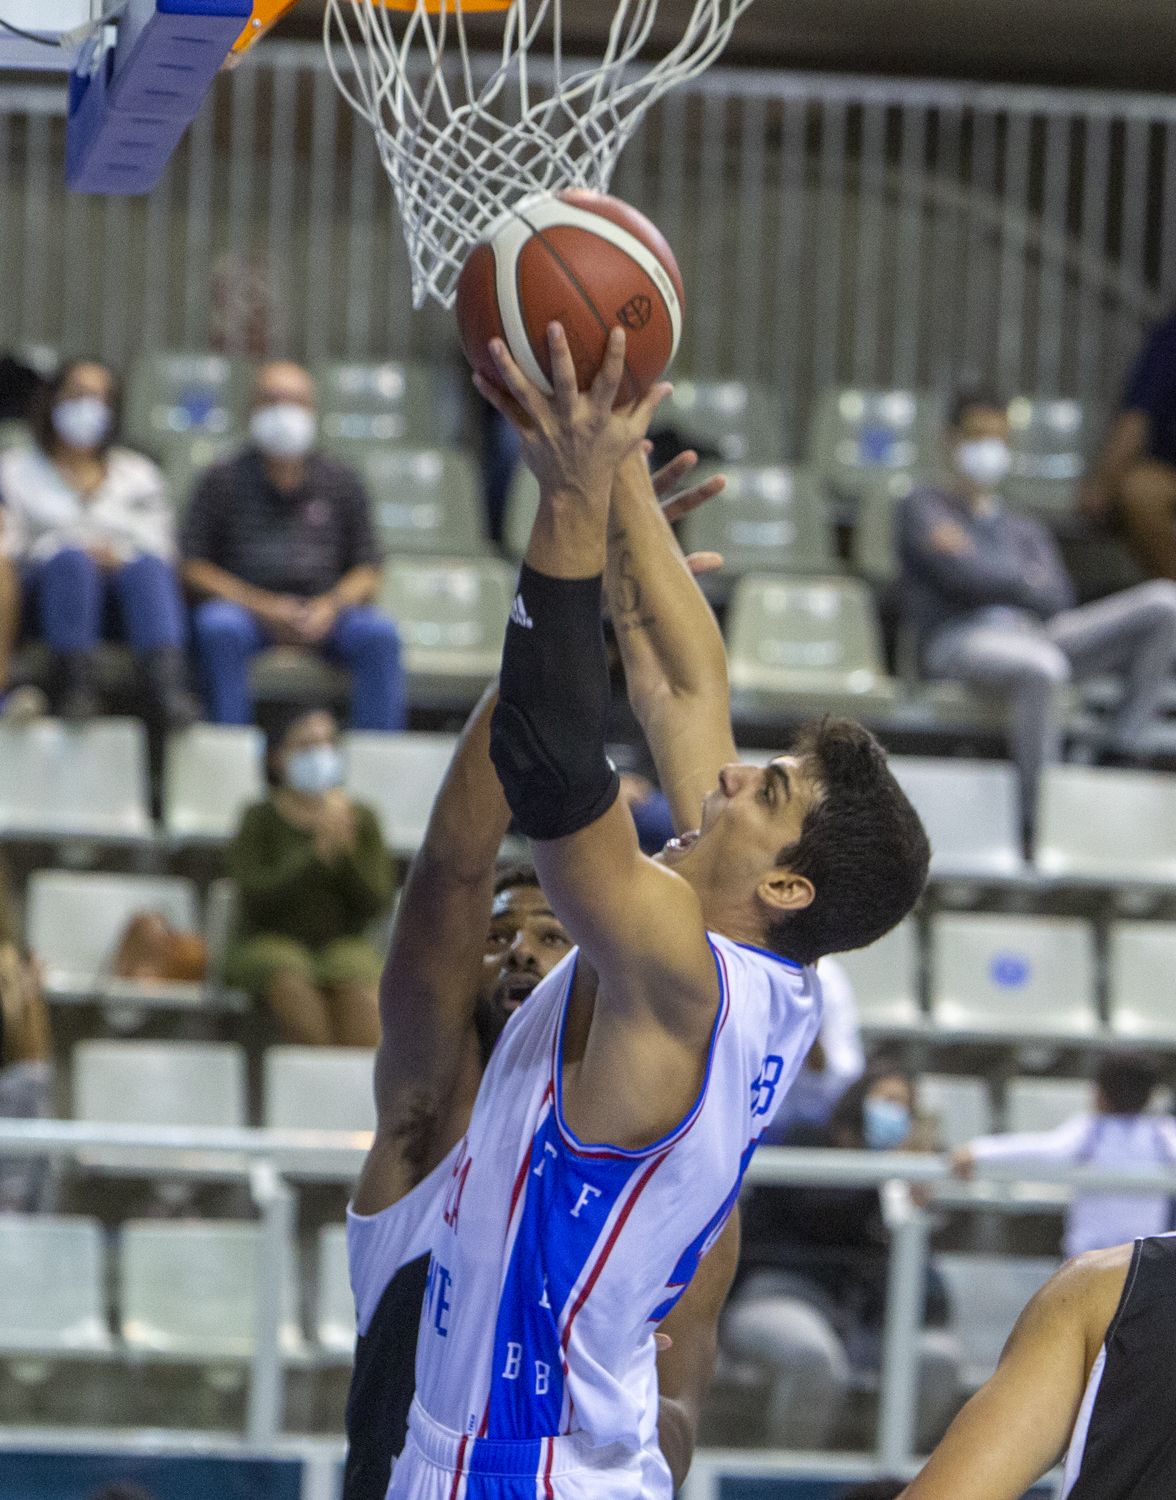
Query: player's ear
{"type": "Point", "coordinates": [782, 891]}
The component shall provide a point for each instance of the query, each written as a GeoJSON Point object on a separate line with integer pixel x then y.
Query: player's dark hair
{"type": "Point", "coordinates": [1127, 1083]}
{"type": "Point", "coordinates": [41, 415]}
{"type": "Point", "coordinates": [862, 846]}
{"type": "Point", "coordinates": [847, 1123]}
{"type": "Point", "coordinates": [510, 873]}
{"type": "Point", "coordinates": [972, 398]}
{"type": "Point", "coordinates": [876, 1489]}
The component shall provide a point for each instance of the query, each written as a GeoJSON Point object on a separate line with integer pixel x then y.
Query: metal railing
{"type": "Point", "coordinates": [831, 230]}
{"type": "Point", "coordinates": [269, 1159]}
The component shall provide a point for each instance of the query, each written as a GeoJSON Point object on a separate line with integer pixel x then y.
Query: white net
{"type": "Point", "coordinates": [464, 139]}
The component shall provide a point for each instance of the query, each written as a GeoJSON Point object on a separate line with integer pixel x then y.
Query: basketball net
{"type": "Point", "coordinates": [464, 139]}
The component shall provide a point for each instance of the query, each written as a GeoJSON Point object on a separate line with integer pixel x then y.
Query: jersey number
{"type": "Point", "coordinates": [763, 1090]}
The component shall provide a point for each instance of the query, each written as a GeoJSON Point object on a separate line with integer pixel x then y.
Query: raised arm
{"type": "Point", "coordinates": [427, 1053]}
{"type": "Point", "coordinates": [673, 654]}
{"type": "Point", "coordinates": [639, 924]}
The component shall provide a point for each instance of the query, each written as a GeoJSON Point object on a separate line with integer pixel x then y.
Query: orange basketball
{"type": "Point", "coordinates": [587, 261]}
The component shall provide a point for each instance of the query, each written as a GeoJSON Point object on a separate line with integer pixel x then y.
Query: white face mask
{"type": "Point", "coordinates": [985, 461]}
{"type": "Point", "coordinates": [315, 770]}
{"type": "Point", "coordinates": [82, 421]}
{"type": "Point", "coordinates": [284, 429]}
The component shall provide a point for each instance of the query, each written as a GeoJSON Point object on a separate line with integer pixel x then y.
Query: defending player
{"type": "Point", "coordinates": [467, 949]}
{"type": "Point", "coordinates": [616, 1118]}
{"type": "Point", "coordinates": [1090, 1364]}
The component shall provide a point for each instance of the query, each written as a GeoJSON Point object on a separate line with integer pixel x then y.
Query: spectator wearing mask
{"type": "Point", "coordinates": [312, 874]}
{"type": "Point", "coordinates": [992, 605]}
{"type": "Point", "coordinates": [1117, 1133]}
{"type": "Point", "coordinates": [1135, 473]}
{"type": "Point", "coordinates": [278, 542]}
{"type": "Point", "coordinates": [810, 1298]}
{"type": "Point", "coordinates": [88, 526]}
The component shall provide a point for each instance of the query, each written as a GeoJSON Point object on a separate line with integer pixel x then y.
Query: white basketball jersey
{"type": "Point", "coordinates": [554, 1260]}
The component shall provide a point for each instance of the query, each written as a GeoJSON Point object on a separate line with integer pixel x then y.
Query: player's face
{"type": "Point", "coordinates": [525, 942]}
{"type": "Point", "coordinates": [753, 813]}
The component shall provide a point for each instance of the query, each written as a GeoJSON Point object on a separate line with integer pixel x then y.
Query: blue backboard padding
{"type": "Point", "coordinates": [76, 1476]}
{"type": "Point", "coordinates": [127, 118]}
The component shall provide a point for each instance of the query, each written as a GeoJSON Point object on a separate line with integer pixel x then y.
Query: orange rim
{"type": "Point", "coordinates": [435, 7]}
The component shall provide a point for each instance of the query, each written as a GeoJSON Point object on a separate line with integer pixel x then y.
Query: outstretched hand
{"type": "Point", "coordinates": [675, 506]}
{"type": "Point", "coordinates": [572, 440]}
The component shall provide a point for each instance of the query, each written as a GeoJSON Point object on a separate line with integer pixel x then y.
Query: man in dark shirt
{"type": "Point", "coordinates": [992, 605]}
{"type": "Point", "coordinates": [279, 543]}
{"type": "Point", "coordinates": [1135, 473]}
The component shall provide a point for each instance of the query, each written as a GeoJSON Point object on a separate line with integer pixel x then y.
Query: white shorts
{"type": "Point", "coordinates": [438, 1464]}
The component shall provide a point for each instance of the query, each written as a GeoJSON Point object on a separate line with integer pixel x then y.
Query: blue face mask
{"type": "Point", "coordinates": [885, 1124]}
{"type": "Point", "coordinates": [316, 770]}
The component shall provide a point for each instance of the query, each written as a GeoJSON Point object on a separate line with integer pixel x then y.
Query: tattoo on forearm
{"type": "Point", "coordinates": [629, 613]}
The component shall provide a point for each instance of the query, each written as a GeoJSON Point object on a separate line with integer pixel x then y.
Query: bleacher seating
{"type": "Point", "coordinates": [159, 1083]}
{"type": "Point", "coordinates": [1141, 964]}
{"type": "Point", "coordinates": [177, 393]}
{"type": "Point", "coordinates": [334, 1327]}
{"type": "Point", "coordinates": [802, 645]}
{"type": "Point", "coordinates": [961, 1107]}
{"type": "Point", "coordinates": [857, 437]}
{"type": "Point", "coordinates": [1041, 1103]}
{"type": "Point", "coordinates": [53, 1286]}
{"type": "Point", "coordinates": [744, 423]}
{"type": "Point", "coordinates": [211, 774]}
{"type": "Point", "coordinates": [188, 1290]}
{"type": "Point", "coordinates": [1107, 827]}
{"type": "Point", "coordinates": [74, 922]}
{"type": "Point", "coordinates": [874, 553]}
{"type": "Point", "coordinates": [1000, 974]}
{"type": "Point", "coordinates": [399, 775]}
{"type": "Point", "coordinates": [318, 1088]}
{"type": "Point", "coordinates": [88, 782]}
{"type": "Point", "coordinates": [885, 979]}
{"type": "Point", "coordinates": [971, 811]}
{"type": "Point", "coordinates": [986, 1294]}
{"type": "Point", "coordinates": [767, 519]}
{"type": "Point", "coordinates": [365, 405]}
{"type": "Point", "coordinates": [425, 500]}
{"type": "Point", "coordinates": [452, 616]}
{"type": "Point", "coordinates": [1051, 441]}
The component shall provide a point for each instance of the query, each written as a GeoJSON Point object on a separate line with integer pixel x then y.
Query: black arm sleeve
{"type": "Point", "coordinates": [548, 731]}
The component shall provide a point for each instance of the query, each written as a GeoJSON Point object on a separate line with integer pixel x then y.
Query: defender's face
{"type": "Point", "coordinates": [753, 813]}
{"type": "Point", "coordinates": [525, 942]}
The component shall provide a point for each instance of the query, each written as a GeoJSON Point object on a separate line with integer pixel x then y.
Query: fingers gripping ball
{"type": "Point", "coordinates": [587, 261]}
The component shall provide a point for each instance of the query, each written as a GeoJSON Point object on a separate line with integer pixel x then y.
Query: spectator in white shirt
{"type": "Point", "coordinates": [1117, 1132]}
{"type": "Point", "coordinates": [89, 528]}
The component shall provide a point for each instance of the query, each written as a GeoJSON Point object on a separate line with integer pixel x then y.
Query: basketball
{"type": "Point", "coordinates": [582, 259]}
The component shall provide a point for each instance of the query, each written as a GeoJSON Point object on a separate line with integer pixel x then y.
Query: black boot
{"type": "Point", "coordinates": [77, 695]}
{"type": "Point", "coordinates": [166, 675]}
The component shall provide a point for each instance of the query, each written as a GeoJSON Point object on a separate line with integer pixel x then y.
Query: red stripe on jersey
{"type": "Point", "coordinates": [459, 1467]}
{"type": "Point", "coordinates": [548, 1492]}
{"type": "Point", "coordinates": [609, 1244]}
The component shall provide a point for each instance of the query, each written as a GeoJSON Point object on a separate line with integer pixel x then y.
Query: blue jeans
{"type": "Point", "coordinates": [363, 640]}
{"type": "Point", "coordinates": [70, 599]}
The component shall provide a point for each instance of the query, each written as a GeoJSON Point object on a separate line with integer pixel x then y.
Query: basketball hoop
{"type": "Point", "coordinates": [463, 145]}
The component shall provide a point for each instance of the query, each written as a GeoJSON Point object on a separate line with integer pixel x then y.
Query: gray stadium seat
{"type": "Point", "coordinates": [184, 456]}
{"type": "Point", "coordinates": [52, 1286]}
{"type": "Point", "coordinates": [874, 553]}
{"type": "Point", "coordinates": [159, 1083]}
{"type": "Point", "coordinates": [399, 775]}
{"type": "Point", "coordinates": [743, 422]}
{"type": "Point", "coordinates": [86, 782]}
{"type": "Point", "coordinates": [334, 1306]}
{"type": "Point", "coordinates": [211, 773]}
{"type": "Point", "coordinates": [971, 811]}
{"type": "Point", "coordinates": [74, 921]}
{"type": "Point", "coordinates": [188, 1290]}
{"type": "Point", "coordinates": [364, 405]}
{"type": "Point", "coordinates": [1107, 826]}
{"type": "Point", "coordinates": [1041, 1103]}
{"type": "Point", "coordinates": [1009, 975]}
{"type": "Point", "coordinates": [288, 674]}
{"type": "Point", "coordinates": [805, 644]}
{"type": "Point", "coordinates": [766, 519]}
{"type": "Point", "coordinates": [1141, 963]}
{"type": "Point", "coordinates": [318, 1088]}
{"type": "Point", "coordinates": [452, 616]}
{"type": "Point", "coordinates": [986, 1294]}
{"type": "Point", "coordinates": [425, 500]}
{"type": "Point", "coordinates": [961, 1107]}
{"type": "Point", "coordinates": [1051, 440]}
{"type": "Point", "coordinates": [857, 437]}
{"type": "Point", "coordinates": [885, 979]}
{"type": "Point", "coordinates": [174, 393]}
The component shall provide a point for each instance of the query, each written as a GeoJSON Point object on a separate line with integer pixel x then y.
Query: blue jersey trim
{"type": "Point", "coordinates": [589, 1148]}
{"type": "Point", "coordinates": [789, 963]}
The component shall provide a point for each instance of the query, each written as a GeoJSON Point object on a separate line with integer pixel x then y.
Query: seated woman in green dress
{"type": "Point", "coordinates": [312, 875]}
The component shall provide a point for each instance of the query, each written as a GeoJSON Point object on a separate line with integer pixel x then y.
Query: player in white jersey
{"type": "Point", "coordinates": [615, 1121]}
